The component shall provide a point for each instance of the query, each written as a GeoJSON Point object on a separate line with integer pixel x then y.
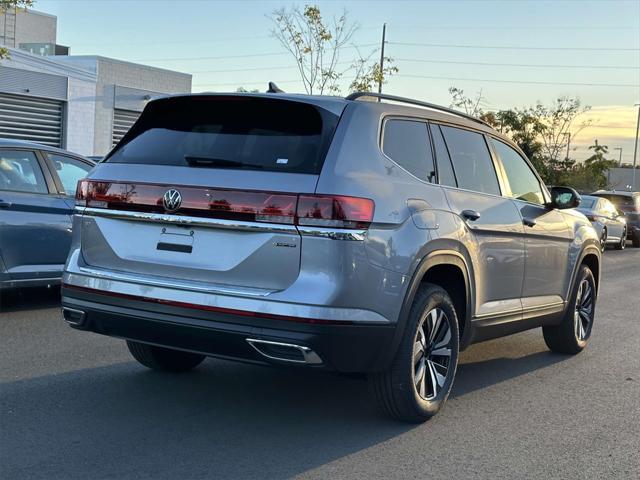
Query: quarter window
{"type": "Point", "coordinates": [523, 182]}
{"type": "Point", "coordinates": [20, 172]}
{"type": "Point", "coordinates": [471, 160]}
{"type": "Point", "coordinates": [407, 143]}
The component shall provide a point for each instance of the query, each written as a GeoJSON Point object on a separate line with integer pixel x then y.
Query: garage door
{"type": "Point", "coordinates": [31, 118]}
{"type": "Point", "coordinates": [123, 120]}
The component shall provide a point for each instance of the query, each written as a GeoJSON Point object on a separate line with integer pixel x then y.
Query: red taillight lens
{"type": "Point", "coordinates": [81, 193]}
{"type": "Point", "coordinates": [334, 211]}
{"type": "Point", "coordinates": [311, 210]}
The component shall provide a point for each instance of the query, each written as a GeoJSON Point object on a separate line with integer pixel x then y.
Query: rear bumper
{"type": "Point", "coordinates": [343, 347]}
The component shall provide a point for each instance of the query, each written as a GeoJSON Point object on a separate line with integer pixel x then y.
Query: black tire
{"type": "Point", "coordinates": [569, 337]}
{"type": "Point", "coordinates": [603, 240]}
{"type": "Point", "coordinates": [395, 390]}
{"type": "Point", "coordinates": [636, 240]}
{"type": "Point", "coordinates": [623, 241]}
{"type": "Point", "coordinates": [164, 359]}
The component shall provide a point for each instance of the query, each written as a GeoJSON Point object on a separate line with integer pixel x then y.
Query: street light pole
{"type": "Point", "coordinates": [620, 157]}
{"type": "Point", "coordinates": [635, 149]}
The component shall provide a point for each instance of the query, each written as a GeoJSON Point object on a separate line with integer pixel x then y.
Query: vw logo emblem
{"type": "Point", "coordinates": [171, 200]}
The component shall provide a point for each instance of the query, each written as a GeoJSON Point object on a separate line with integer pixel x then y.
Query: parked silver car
{"type": "Point", "coordinates": [610, 223]}
{"type": "Point", "coordinates": [326, 232]}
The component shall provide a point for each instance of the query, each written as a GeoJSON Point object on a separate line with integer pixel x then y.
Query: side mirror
{"type": "Point", "coordinates": [564, 197]}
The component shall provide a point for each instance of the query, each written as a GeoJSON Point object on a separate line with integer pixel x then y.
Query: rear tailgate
{"type": "Point", "coordinates": [234, 165]}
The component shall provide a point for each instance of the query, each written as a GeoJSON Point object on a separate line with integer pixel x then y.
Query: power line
{"type": "Point", "coordinates": [504, 47]}
{"type": "Point", "coordinates": [612, 67]}
{"type": "Point", "coordinates": [249, 55]}
{"type": "Point", "coordinates": [253, 69]}
{"type": "Point", "coordinates": [532, 82]}
{"type": "Point", "coordinates": [241, 84]}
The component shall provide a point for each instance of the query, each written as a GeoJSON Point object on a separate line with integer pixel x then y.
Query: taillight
{"type": "Point", "coordinates": [334, 211]}
{"type": "Point", "coordinates": [310, 210]}
{"type": "Point", "coordinates": [81, 193]}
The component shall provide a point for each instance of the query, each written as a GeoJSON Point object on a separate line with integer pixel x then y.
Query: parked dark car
{"type": "Point", "coordinates": [37, 189]}
{"type": "Point", "coordinates": [629, 204]}
{"type": "Point", "coordinates": [609, 222]}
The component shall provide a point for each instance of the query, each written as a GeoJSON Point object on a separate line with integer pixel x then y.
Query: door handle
{"type": "Point", "coordinates": [529, 222]}
{"type": "Point", "coordinates": [4, 204]}
{"type": "Point", "coordinates": [470, 215]}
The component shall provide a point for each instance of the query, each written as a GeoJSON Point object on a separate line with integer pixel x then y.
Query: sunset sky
{"type": "Point", "coordinates": [515, 52]}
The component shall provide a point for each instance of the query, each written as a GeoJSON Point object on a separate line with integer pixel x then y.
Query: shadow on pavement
{"type": "Point", "coordinates": [224, 420]}
{"type": "Point", "coordinates": [34, 298]}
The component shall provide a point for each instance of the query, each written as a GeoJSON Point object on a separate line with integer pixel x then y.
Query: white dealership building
{"type": "Point", "coordinates": [81, 103]}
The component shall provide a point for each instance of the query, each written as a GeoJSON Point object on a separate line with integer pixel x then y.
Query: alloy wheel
{"type": "Point", "coordinates": [432, 354]}
{"type": "Point", "coordinates": [583, 316]}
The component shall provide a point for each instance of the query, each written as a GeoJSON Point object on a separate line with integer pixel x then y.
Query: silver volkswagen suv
{"type": "Point", "coordinates": [379, 237]}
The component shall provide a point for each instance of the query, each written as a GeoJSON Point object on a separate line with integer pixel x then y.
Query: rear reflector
{"type": "Point", "coordinates": [309, 210]}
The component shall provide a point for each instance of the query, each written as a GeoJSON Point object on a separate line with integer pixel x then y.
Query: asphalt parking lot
{"type": "Point", "coordinates": [75, 405]}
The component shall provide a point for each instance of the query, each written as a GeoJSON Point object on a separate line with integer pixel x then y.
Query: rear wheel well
{"type": "Point", "coordinates": [591, 261]}
{"type": "Point", "coordinates": [451, 279]}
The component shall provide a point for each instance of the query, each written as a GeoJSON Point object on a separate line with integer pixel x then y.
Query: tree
{"type": "Point", "coordinates": [541, 132]}
{"type": "Point", "coordinates": [591, 174]}
{"type": "Point", "coordinates": [316, 46]}
{"type": "Point", "coordinates": [459, 100]}
{"type": "Point", "coordinates": [15, 5]}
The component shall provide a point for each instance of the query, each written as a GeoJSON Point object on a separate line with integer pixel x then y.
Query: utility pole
{"type": "Point", "coordinates": [568, 134]}
{"type": "Point", "coordinates": [620, 157]}
{"type": "Point", "coordinates": [384, 32]}
{"type": "Point", "coordinates": [635, 149]}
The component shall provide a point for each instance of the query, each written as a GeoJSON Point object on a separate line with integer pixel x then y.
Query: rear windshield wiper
{"type": "Point", "coordinates": [200, 161]}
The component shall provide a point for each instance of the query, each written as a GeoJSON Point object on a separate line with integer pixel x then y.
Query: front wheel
{"type": "Point", "coordinates": [421, 376]}
{"type": "Point", "coordinates": [603, 240]}
{"type": "Point", "coordinates": [623, 241]}
{"type": "Point", "coordinates": [164, 359]}
{"type": "Point", "coordinates": [573, 334]}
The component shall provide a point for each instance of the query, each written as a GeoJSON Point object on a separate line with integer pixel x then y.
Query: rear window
{"type": "Point", "coordinates": [230, 132]}
{"type": "Point", "coordinates": [626, 203]}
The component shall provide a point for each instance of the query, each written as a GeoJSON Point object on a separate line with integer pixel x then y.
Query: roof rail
{"type": "Point", "coordinates": [433, 106]}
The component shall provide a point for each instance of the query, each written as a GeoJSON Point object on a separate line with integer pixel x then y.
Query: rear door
{"type": "Point", "coordinates": [493, 227]}
{"type": "Point", "coordinates": [547, 234]}
{"type": "Point", "coordinates": [35, 226]}
{"type": "Point", "coordinates": [206, 192]}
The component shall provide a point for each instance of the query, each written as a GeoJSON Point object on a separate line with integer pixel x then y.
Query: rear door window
{"type": "Point", "coordinates": [21, 172]}
{"type": "Point", "coordinates": [407, 143]}
{"type": "Point", "coordinates": [230, 132]}
{"type": "Point", "coordinates": [471, 160]}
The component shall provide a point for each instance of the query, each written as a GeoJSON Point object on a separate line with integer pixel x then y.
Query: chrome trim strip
{"type": "Point", "coordinates": [188, 220]}
{"type": "Point", "coordinates": [309, 355]}
{"type": "Point", "coordinates": [170, 283]}
{"type": "Point", "coordinates": [333, 234]}
{"type": "Point", "coordinates": [518, 310]}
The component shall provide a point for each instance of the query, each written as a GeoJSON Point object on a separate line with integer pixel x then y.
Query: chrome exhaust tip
{"type": "Point", "coordinates": [285, 352]}
{"type": "Point", "coordinates": [73, 316]}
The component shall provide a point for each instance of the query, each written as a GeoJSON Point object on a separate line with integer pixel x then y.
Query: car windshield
{"type": "Point", "coordinates": [587, 203]}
